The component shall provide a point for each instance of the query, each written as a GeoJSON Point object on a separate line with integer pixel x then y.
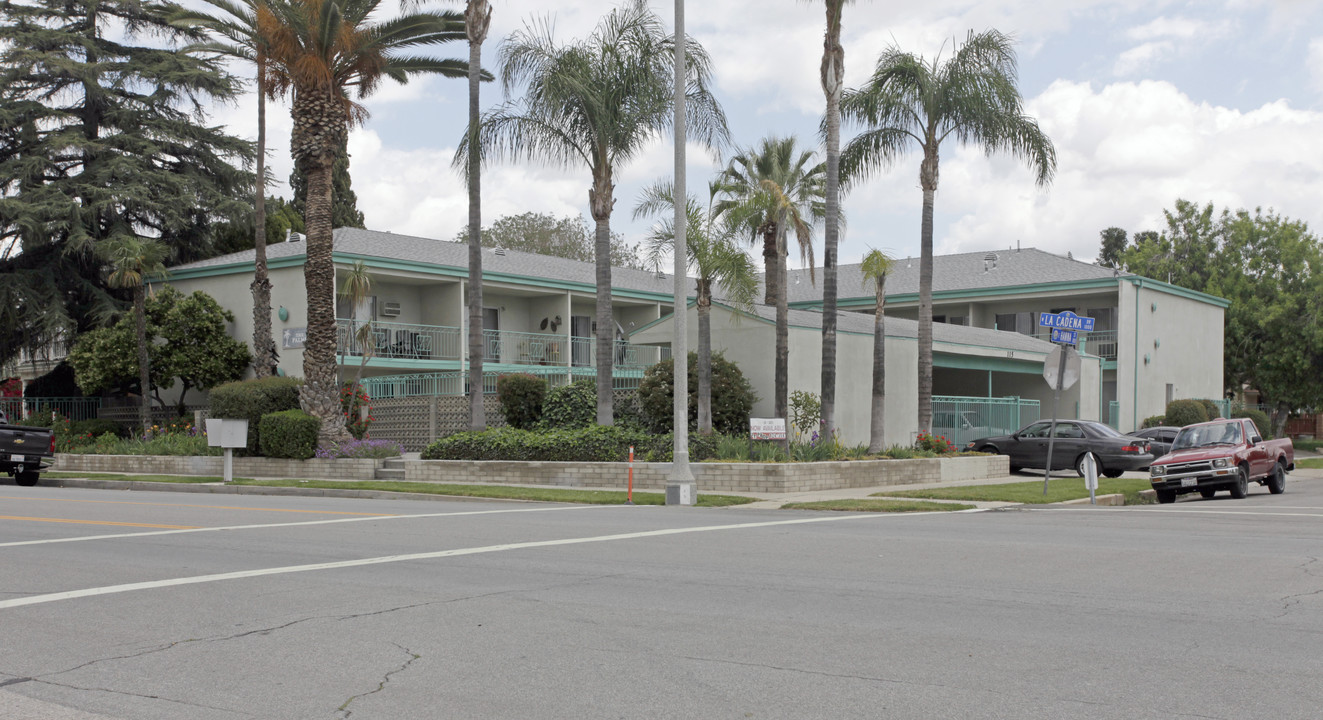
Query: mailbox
{"type": "Point", "coordinates": [227, 433]}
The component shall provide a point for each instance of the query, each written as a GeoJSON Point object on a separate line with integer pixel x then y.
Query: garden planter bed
{"type": "Point", "coordinates": [713, 476]}
{"type": "Point", "coordinates": [315, 469]}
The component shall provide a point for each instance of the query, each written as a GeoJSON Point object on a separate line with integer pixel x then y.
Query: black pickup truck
{"type": "Point", "coordinates": [25, 451]}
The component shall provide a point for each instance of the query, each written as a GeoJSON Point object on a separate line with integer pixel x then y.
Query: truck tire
{"type": "Point", "coordinates": [1166, 497]}
{"type": "Point", "coordinates": [1240, 490]}
{"type": "Point", "coordinates": [27, 479]}
{"type": "Point", "coordinates": [1277, 480]}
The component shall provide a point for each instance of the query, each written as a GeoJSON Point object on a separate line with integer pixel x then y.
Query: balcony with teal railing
{"type": "Point", "coordinates": [1101, 343]}
{"type": "Point", "coordinates": [407, 341]}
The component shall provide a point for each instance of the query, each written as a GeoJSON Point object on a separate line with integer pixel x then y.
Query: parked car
{"type": "Point", "coordinates": [1221, 455]}
{"type": "Point", "coordinates": [1113, 453]}
{"type": "Point", "coordinates": [1159, 438]}
{"type": "Point", "coordinates": [958, 427]}
{"type": "Point", "coordinates": [25, 452]}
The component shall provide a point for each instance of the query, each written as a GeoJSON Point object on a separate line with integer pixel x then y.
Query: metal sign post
{"type": "Point", "coordinates": [1062, 367]}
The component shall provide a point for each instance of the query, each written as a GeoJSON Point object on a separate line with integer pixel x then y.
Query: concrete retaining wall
{"type": "Point", "coordinates": [314, 469]}
{"type": "Point", "coordinates": [713, 477]}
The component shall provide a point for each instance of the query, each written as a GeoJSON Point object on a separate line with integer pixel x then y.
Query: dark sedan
{"type": "Point", "coordinates": [1113, 453]}
{"type": "Point", "coordinates": [1159, 438]}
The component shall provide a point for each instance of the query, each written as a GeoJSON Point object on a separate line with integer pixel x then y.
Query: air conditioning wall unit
{"type": "Point", "coordinates": [390, 309]}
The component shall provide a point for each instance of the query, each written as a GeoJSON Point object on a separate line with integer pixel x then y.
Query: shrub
{"type": "Point", "coordinates": [289, 434]}
{"type": "Point", "coordinates": [805, 412]}
{"type": "Point", "coordinates": [251, 399]}
{"type": "Point", "coordinates": [522, 396]}
{"type": "Point", "coordinates": [626, 413]}
{"type": "Point", "coordinates": [598, 443]}
{"type": "Point", "coordinates": [732, 396]}
{"type": "Point", "coordinates": [96, 427]}
{"type": "Point", "coordinates": [351, 406]}
{"type": "Point", "coordinates": [1211, 409]}
{"type": "Point", "coordinates": [934, 443]}
{"type": "Point", "coordinates": [1153, 421]}
{"type": "Point", "coordinates": [1259, 417]}
{"type": "Point", "coordinates": [1186, 412]}
{"type": "Point", "coordinates": [570, 406]}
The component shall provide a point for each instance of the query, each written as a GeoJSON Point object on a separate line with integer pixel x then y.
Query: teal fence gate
{"type": "Point", "coordinates": [964, 419]}
{"type": "Point", "coordinates": [73, 408]}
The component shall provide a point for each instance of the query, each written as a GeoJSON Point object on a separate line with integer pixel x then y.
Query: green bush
{"type": "Point", "coordinates": [1259, 417]}
{"type": "Point", "coordinates": [1153, 421]}
{"type": "Point", "coordinates": [626, 413]}
{"type": "Point", "coordinates": [1186, 412]}
{"type": "Point", "coordinates": [805, 412]}
{"type": "Point", "coordinates": [732, 396]}
{"type": "Point", "coordinates": [96, 427]}
{"type": "Point", "coordinates": [598, 443]}
{"type": "Point", "coordinates": [1211, 409]}
{"type": "Point", "coordinates": [570, 406]}
{"type": "Point", "coordinates": [289, 434]}
{"type": "Point", "coordinates": [251, 399]}
{"type": "Point", "coordinates": [522, 396]}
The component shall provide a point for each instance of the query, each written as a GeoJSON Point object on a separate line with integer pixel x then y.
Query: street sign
{"type": "Point", "coordinates": [1054, 370]}
{"type": "Point", "coordinates": [1066, 321]}
{"type": "Point", "coordinates": [1064, 336]}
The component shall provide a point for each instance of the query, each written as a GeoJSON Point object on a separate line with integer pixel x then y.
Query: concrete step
{"type": "Point", "coordinates": [389, 474]}
{"type": "Point", "coordinates": [393, 463]}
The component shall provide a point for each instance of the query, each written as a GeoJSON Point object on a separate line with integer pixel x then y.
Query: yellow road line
{"type": "Point", "coordinates": [217, 507]}
{"type": "Point", "coordinates": [98, 522]}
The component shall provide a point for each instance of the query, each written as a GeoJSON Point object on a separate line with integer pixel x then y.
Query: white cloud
{"type": "Point", "coordinates": [1163, 38]}
{"type": "Point", "coordinates": [1314, 62]}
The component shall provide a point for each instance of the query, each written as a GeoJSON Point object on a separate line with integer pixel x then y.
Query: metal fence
{"type": "Point", "coordinates": [74, 408]}
{"type": "Point", "coordinates": [963, 419]}
{"type": "Point", "coordinates": [455, 382]}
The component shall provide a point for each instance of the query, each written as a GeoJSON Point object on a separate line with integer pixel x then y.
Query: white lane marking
{"type": "Point", "coordinates": [291, 524]}
{"type": "Point", "coordinates": [1196, 512]}
{"type": "Point", "coordinates": [130, 587]}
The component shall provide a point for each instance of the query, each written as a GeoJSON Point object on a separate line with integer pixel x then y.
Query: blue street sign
{"type": "Point", "coordinates": [1066, 321]}
{"type": "Point", "coordinates": [1064, 336]}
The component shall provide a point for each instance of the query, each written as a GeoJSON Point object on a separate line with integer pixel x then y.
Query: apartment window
{"type": "Point", "coordinates": [1006, 322]}
{"type": "Point", "coordinates": [1024, 323]}
{"type": "Point", "coordinates": [958, 320]}
{"type": "Point", "coordinates": [1103, 318]}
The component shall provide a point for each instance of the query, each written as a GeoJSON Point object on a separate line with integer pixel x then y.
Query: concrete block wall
{"type": "Point", "coordinates": [314, 469]}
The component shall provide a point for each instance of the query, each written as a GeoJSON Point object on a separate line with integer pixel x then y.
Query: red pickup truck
{"type": "Point", "coordinates": [1221, 455]}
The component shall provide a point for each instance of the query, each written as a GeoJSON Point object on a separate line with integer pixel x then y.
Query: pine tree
{"type": "Point", "coordinates": [100, 140]}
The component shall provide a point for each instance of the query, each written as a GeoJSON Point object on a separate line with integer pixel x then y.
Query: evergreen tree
{"type": "Point", "coordinates": [344, 203]}
{"type": "Point", "coordinates": [100, 140]}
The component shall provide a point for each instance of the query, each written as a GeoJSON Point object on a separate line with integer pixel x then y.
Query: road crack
{"type": "Point", "coordinates": [344, 712]}
{"type": "Point", "coordinates": [141, 695]}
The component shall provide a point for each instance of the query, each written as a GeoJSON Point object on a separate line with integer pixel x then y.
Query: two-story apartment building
{"type": "Point", "coordinates": [1156, 341]}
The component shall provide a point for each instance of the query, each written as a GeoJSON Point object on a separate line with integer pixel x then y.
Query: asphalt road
{"type": "Point", "coordinates": [150, 605]}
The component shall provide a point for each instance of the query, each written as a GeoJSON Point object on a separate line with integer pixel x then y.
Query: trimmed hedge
{"type": "Point", "coordinates": [522, 397]}
{"type": "Point", "coordinates": [598, 443]}
{"type": "Point", "coordinates": [1211, 409]}
{"type": "Point", "coordinates": [251, 399]}
{"type": "Point", "coordinates": [1259, 417]}
{"type": "Point", "coordinates": [572, 406]}
{"type": "Point", "coordinates": [289, 434]}
{"type": "Point", "coordinates": [732, 396]}
{"type": "Point", "coordinates": [1153, 421]}
{"type": "Point", "coordinates": [1186, 412]}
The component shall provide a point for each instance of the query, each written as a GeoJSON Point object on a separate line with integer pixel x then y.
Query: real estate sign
{"type": "Point", "coordinates": [767, 428]}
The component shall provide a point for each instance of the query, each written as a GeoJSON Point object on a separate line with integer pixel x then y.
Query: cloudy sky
{"type": "Point", "coordinates": [1146, 101]}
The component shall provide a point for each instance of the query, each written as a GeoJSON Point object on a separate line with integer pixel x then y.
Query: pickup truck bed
{"type": "Point", "coordinates": [1221, 455]}
{"type": "Point", "coordinates": [25, 452]}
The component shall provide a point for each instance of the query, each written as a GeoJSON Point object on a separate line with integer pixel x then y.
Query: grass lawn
{"type": "Point", "coordinates": [1309, 463]}
{"type": "Point", "coordinates": [869, 505]}
{"type": "Point", "coordinates": [506, 492]}
{"type": "Point", "coordinates": [1058, 489]}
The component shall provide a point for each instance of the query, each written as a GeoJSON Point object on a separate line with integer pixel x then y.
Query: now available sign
{"type": "Point", "coordinates": [767, 428]}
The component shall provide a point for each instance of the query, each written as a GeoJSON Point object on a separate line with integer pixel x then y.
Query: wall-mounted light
{"type": "Point", "coordinates": [282, 313]}
{"type": "Point", "coordinates": [1153, 307]}
{"type": "Point", "coordinates": [1156, 343]}
{"type": "Point", "coordinates": [1146, 358]}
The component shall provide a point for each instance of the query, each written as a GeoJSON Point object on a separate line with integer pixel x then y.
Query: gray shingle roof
{"type": "Point", "coordinates": [964, 271]}
{"type": "Point", "coordinates": [900, 327]}
{"type": "Point", "coordinates": [443, 253]}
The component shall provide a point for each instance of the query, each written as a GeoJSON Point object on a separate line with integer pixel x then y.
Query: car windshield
{"type": "Point", "coordinates": [1195, 436]}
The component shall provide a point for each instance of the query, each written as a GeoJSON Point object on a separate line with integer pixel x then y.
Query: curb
{"type": "Point", "coordinates": [217, 489]}
{"type": "Point", "coordinates": [1112, 500]}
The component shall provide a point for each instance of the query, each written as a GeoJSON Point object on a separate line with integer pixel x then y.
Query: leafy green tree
{"type": "Point", "coordinates": [718, 262]}
{"type": "Point", "coordinates": [909, 103]}
{"type": "Point", "coordinates": [545, 234]}
{"type": "Point", "coordinates": [328, 48]}
{"type": "Point", "coordinates": [101, 139]}
{"type": "Point", "coordinates": [876, 266]}
{"type": "Point", "coordinates": [131, 261]}
{"type": "Point", "coordinates": [1112, 245]}
{"type": "Point", "coordinates": [597, 102]}
{"type": "Point", "coordinates": [766, 193]}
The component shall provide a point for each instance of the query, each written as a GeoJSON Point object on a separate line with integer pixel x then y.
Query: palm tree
{"type": "Point", "coordinates": [130, 261]}
{"type": "Point", "coordinates": [832, 77]}
{"type": "Point", "coordinates": [326, 48]}
{"type": "Point", "coordinates": [236, 28]}
{"type": "Point", "coordinates": [718, 261]}
{"type": "Point", "coordinates": [477, 17]}
{"type": "Point", "coordinates": [597, 102]}
{"type": "Point", "coordinates": [876, 267]}
{"type": "Point", "coordinates": [767, 192]}
{"type": "Point", "coordinates": [910, 102]}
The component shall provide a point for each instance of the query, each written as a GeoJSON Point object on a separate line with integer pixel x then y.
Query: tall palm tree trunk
{"type": "Point", "coordinates": [926, 314]}
{"type": "Point", "coordinates": [782, 372]}
{"type": "Point", "coordinates": [704, 356]}
{"type": "Point", "coordinates": [144, 362]}
{"type": "Point", "coordinates": [477, 15]}
{"type": "Point", "coordinates": [600, 199]}
{"type": "Point", "coordinates": [878, 420]}
{"type": "Point", "coordinates": [833, 68]}
{"type": "Point", "coordinates": [770, 279]}
{"type": "Point", "coordinates": [319, 120]}
{"type": "Point", "coordinates": [264, 347]}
